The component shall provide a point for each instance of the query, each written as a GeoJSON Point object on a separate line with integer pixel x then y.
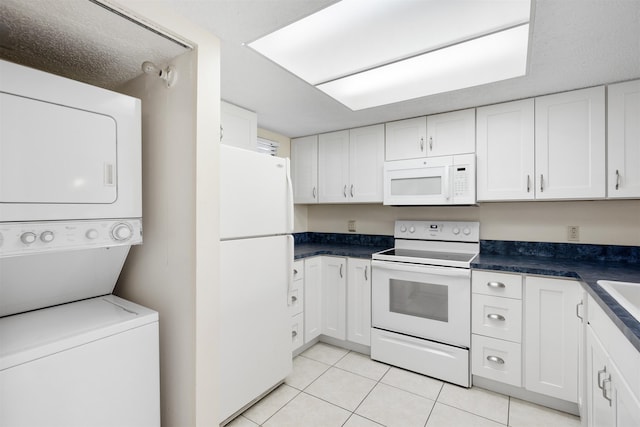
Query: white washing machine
{"type": "Point", "coordinates": [87, 363]}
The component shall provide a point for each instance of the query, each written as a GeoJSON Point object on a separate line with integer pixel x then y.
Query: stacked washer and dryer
{"type": "Point", "coordinates": [71, 353]}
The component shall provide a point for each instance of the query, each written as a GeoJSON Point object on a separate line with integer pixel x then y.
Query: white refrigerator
{"type": "Point", "coordinates": [256, 222]}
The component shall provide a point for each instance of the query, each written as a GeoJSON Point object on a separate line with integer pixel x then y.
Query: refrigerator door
{"type": "Point", "coordinates": [255, 194]}
{"type": "Point", "coordinates": [255, 333]}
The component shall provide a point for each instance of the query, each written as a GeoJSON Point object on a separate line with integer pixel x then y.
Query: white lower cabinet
{"type": "Point", "coordinates": [612, 376]}
{"type": "Point", "coordinates": [337, 299]}
{"type": "Point", "coordinates": [359, 301]}
{"type": "Point", "coordinates": [551, 337]}
{"type": "Point", "coordinates": [334, 297]}
{"type": "Point", "coordinates": [313, 298]}
{"type": "Point", "coordinates": [526, 332]}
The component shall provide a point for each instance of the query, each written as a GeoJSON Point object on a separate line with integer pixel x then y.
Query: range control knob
{"type": "Point", "coordinates": [455, 231]}
{"type": "Point", "coordinates": [466, 231]}
{"type": "Point", "coordinates": [28, 238]}
{"type": "Point", "coordinates": [47, 236]}
{"type": "Point", "coordinates": [412, 229]}
{"type": "Point", "coordinates": [91, 234]}
{"type": "Point", "coordinates": [121, 232]}
{"type": "Point", "coordinates": [403, 228]}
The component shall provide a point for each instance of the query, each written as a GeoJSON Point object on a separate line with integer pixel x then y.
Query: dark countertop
{"type": "Point", "coordinates": [306, 250]}
{"type": "Point", "coordinates": [587, 272]}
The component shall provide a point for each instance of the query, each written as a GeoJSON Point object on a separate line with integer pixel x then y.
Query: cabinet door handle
{"type": "Point", "coordinates": [604, 389]}
{"type": "Point", "coordinates": [528, 183]}
{"type": "Point", "coordinates": [366, 267]}
{"type": "Point", "coordinates": [496, 359]}
{"type": "Point", "coordinates": [314, 192]}
{"type": "Point", "coordinates": [600, 372]}
{"type": "Point", "coordinates": [578, 310]}
{"type": "Point", "coordinates": [617, 179]}
{"type": "Point", "coordinates": [344, 190]}
{"type": "Point", "coordinates": [430, 143]}
{"type": "Point", "coordinates": [351, 190]}
{"type": "Point", "coordinates": [494, 316]}
{"type": "Point", "coordinates": [221, 133]}
{"type": "Point", "coordinates": [341, 270]}
{"type": "Point", "coordinates": [541, 183]}
{"type": "Point", "coordinates": [295, 271]}
{"type": "Point", "coordinates": [495, 285]}
{"type": "Point", "coordinates": [294, 334]}
{"type": "Point", "coordinates": [421, 143]}
{"type": "Point", "coordinates": [293, 299]}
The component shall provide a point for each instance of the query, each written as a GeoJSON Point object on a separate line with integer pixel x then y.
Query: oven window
{"type": "Point", "coordinates": [418, 299]}
{"type": "Point", "coordinates": [423, 186]}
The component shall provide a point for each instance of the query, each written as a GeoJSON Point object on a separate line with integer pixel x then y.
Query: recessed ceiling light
{"type": "Point", "coordinates": [372, 52]}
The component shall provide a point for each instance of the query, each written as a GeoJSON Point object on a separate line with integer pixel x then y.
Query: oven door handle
{"type": "Point", "coordinates": [415, 268]}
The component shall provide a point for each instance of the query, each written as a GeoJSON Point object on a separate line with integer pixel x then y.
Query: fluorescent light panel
{"type": "Point", "coordinates": [354, 36]}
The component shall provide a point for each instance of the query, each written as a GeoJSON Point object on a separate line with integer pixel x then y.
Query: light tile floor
{"type": "Point", "coordinates": [333, 387]}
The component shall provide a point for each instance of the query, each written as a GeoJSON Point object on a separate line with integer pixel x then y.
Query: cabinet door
{"type": "Point", "coordinates": [239, 126]}
{"type": "Point", "coordinates": [359, 301]}
{"type": "Point", "coordinates": [601, 412]}
{"type": "Point", "coordinates": [366, 162]}
{"type": "Point", "coordinates": [626, 404]}
{"type": "Point", "coordinates": [551, 337]}
{"type": "Point", "coordinates": [570, 145]}
{"type": "Point", "coordinates": [451, 133]}
{"type": "Point", "coordinates": [624, 140]}
{"type": "Point", "coordinates": [304, 165]}
{"type": "Point", "coordinates": [406, 139]}
{"type": "Point", "coordinates": [505, 151]}
{"type": "Point", "coordinates": [313, 298]}
{"type": "Point", "coordinates": [333, 167]}
{"type": "Point", "coordinates": [334, 297]}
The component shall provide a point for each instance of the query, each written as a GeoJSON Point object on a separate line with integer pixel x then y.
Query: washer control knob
{"type": "Point", "coordinates": [28, 238]}
{"type": "Point", "coordinates": [412, 229]}
{"type": "Point", "coordinates": [455, 231]}
{"type": "Point", "coordinates": [47, 236]}
{"type": "Point", "coordinates": [91, 234]}
{"type": "Point", "coordinates": [121, 232]}
{"type": "Point", "coordinates": [466, 231]}
{"type": "Point", "coordinates": [403, 228]}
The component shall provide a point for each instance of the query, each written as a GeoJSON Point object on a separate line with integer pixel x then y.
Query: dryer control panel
{"type": "Point", "coordinates": [24, 238]}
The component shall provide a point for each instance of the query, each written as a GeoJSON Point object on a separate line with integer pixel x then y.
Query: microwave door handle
{"type": "Point", "coordinates": [446, 191]}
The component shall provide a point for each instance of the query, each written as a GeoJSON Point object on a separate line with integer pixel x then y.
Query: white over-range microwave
{"type": "Point", "coordinates": [68, 150]}
{"type": "Point", "coordinates": [444, 180]}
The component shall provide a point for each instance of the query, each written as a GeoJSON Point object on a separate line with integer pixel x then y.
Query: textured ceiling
{"type": "Point", "coordinates": [575, 43]}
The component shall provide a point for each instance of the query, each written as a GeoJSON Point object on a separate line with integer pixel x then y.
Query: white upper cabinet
{"type": "Point", "coordinates": [304, 169]}
{"type": "Point", "coordinates": [505, 151]}
{"type": "Point", "coordinates": [350, 165]}
{"type": "Point", "coordinates": [451, 133]}
{"type": "Point", "coordinates": [366, 164]}
{"type": "Point", "coordinates": [406, 139]}
{"type": "Point", "coordinates": [438, 135]}
{"type": "Point", "coordinates": [333, 167]}
{"type": "Point", "coordinates": [239, 127]}
{"type": "Point", "coordinates": [624, 140]}
{"type": "Point", "coordinates": [570, 145]}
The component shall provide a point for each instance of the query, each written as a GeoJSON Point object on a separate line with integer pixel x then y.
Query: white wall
{"type": "Point", "coordinates": [601, 222]}
{"type": "Point", "coordinates": [175, 271]}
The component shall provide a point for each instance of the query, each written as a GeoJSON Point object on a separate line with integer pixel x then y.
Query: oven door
{"type": "Point", "coordinates": [422, 301]}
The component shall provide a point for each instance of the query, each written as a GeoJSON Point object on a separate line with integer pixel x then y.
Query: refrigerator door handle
{"type": "Point", "coordinates": [289, 265]}
{"type": "Point", "coordinates": [289, 198]}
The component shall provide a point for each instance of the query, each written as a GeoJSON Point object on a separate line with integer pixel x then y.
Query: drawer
{"type": "Point", "coordinates": [497, 284]}
{"type": "Point", "coordinates": [496, 360]}
{"type": "Point", "coordinates": [296, 297]}
{"type": "Point", "coordinates": [496, 317]}
{"type": "Point", "coordinates": [297, 331]}
{"type": "Point", "coordinates": [298, 270]}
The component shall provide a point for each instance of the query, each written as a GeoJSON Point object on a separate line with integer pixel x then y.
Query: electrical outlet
{"type": "Point", "coordinates": [351, 225]}
{"type": "Point", "coordinates": [573, 233]}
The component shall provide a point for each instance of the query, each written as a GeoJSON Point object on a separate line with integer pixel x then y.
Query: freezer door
{"type": "Point", "coordinates": [255, 325]}
{"type": "Point", "coordinates": [255, 194]}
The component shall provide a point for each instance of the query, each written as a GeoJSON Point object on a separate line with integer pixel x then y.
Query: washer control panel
{"type": "Point", "coordinates": [22, 238]}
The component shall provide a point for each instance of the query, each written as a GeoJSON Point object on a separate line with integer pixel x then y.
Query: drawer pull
{"type": "Point", "coordinates": [496, 359]}
{"type": "Point", "coordinates": [494, 316]}
{"type": "Point", "coordinates": [295, 271]}
{"type": "Point", "coordinates": [293, 299]}
{"type": "Point", "coordinates": [499, 285]}
{"type": "Point", "coordinates": [294, 334]}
